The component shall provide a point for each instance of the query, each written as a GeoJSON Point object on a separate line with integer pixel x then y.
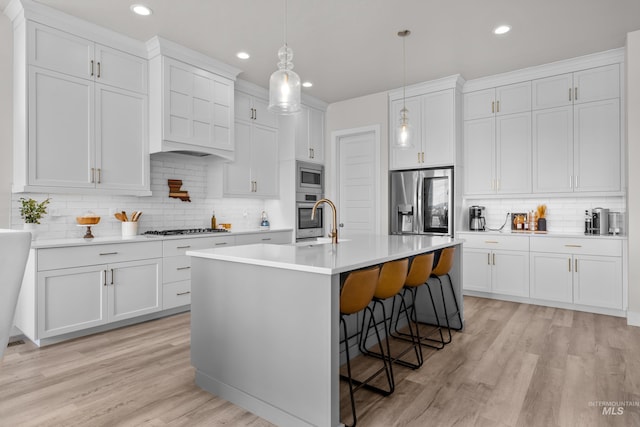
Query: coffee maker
{"type": "Point", "coordinates": [476, 218]}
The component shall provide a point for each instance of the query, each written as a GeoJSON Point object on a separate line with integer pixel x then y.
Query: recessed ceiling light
{"type": "Point", "coordinates": [501, 29]}
{"type": "Point", "coordinates": [243, 55]}
{"type": "Point", "coordinates": [307, 84]}
{"type": "Point", "coordinates": [140, 9]}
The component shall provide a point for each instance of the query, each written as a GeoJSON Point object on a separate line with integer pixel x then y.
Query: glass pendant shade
{"type": "Point", "coordinates": [404, 131]}
{"type": "Point", "coordinates": [284, 85]}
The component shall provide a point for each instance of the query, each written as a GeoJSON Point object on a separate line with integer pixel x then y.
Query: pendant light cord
{"type": "Point", "coordinates": [285, 22]}
{"type": "Point", "coordinates": [404, 73]}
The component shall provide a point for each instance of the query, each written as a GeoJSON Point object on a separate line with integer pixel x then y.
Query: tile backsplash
{"type": "Point", "coordinates": [564, 215]}
{"type": "Point", "coordinates": [159, 211]}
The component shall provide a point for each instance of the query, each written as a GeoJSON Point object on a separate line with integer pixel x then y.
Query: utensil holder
{"type": "Point", "coordinates": [129, 229]}
{"type": "Point", "coordinates": [542, 224]}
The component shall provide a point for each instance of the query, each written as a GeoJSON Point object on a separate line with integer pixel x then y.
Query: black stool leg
{"type": "Point", "coordinates": [346, 348]}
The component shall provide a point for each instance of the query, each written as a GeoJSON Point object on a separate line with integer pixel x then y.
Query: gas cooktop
{"type": "Point", "coordinates": [186, 231]}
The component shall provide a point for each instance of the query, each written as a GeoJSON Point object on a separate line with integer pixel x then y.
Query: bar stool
{"type": "Point", "coordinates": [419, 273]}
{"type": "Point", "coordinates": [443, 268]}
{"type": "Point", "coordinates": [356, 294]}
{"type": "Point", "coordinates": [392, 278]}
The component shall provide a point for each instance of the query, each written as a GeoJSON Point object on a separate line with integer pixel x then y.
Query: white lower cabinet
{"type": "Point", "coordinates": [581, 273]}
{"type": "Point", "coordinates": [578, 271]}
{"type": "Point", "coordinates": [497, 264]}
{"type": "Point", "coordinates": [72, 299]}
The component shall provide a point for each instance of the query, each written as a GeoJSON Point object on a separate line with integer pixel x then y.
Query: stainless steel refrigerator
{"type": "Point", "coordinates": [422, 201]}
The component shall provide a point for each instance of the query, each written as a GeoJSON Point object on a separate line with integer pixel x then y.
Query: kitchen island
{"type": "Point", "coordinates": [265, 321]}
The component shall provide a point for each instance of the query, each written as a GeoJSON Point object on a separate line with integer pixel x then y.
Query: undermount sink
{"type": "Point", "coordinates": [319, 241]}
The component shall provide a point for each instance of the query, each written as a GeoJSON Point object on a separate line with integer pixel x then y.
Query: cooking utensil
{"type": "Point", "coordinates": [136, 216]}
{"type": "Point", "coordinates": [119, 216]}
{"type": "Point", "coordinates": [124, 215]}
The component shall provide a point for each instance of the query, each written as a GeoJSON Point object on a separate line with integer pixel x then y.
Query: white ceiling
{"type": "Point", "coordinates": [349, 48]}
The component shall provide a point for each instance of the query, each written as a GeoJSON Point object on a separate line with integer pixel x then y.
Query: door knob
{"type": "Point", "coordinates": [341, 225]}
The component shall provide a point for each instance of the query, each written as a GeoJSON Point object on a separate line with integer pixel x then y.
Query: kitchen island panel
{"type": "Point", "coordinates": [260, 343]}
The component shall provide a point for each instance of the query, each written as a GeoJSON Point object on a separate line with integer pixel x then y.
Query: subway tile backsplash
{"type": "Point", "coordinates": [159, 211]}
{"type": "Point", "coordinates": [564, 215]}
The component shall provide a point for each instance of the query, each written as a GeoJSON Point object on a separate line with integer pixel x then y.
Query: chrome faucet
{"type": "Point", "coordinates": [334, 227]}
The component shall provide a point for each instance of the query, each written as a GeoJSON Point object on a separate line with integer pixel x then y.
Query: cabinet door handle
{"type": "Point", "coordinates": [255, 114]}
{"type": "Point", "coordinates": [497, 184]}
{"type": "Point", "coordinates": [255, 183]}
{"type": "Point", "coordinates": [497, 106]}
{"type": "Point", "coordinates": [91, 68]}
{"type": "Point", "coordinates": [489, 259]}
{"type": "Point", "coordinates": [112, 276]}
{"type": "Point", "coordinates": [570, 181]}
{"type": "Point", "coordinates": [576, 179]}
{"type": "Point", "coordinates": [418, 157]}
{"type": "Point", "coordinates": [575, 93]}
{"type": "Point", "coordinates": [570, 94]}
{"type": "Point", "coordinates": [183, 247]}
{"type": "Point", "coordinates": [183, 293]}
{"type": "Point", "coordinates": [493, 105]}
{"type": "Point", "coordinates": [108, 253]}
{"type": "Point", "coordinates": [569, 265]}
{"type": "Point", "coordinates": [104, 283]}
{"type": "Point", "coordinates": [575, 267]}
{"type": "Point", "coordinates": [183, 268]}
{"type": "Point", "coordinates": [98, 70]}
{"type": "Point", "coordinates": [494, 259]}
{"type": "Point", "coordinates": [93, 175]}
{"type": "Point", "coordinates": [99, 175]}
{"type": "Point", "coordinates": [220, 243]}
{"type": "Point", "coordinates": [423, 157]}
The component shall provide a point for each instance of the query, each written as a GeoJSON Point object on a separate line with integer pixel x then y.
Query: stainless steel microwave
{"type": "Point", "coordinates": [309, 178]}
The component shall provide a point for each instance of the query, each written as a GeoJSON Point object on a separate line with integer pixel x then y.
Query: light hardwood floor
{"type": "Point", "coordinates": [513, 365]}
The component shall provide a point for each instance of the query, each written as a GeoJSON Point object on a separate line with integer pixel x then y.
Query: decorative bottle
{"type": "Point", "coordinates": [214, 222]}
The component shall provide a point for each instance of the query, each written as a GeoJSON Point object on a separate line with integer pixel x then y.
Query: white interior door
{"type": "Point", "coordinates": [358, 182]}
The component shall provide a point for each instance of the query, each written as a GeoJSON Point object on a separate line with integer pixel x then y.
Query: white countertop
{"type": "Point", "coordinates": [544, 234]}
{"type": "Point", "coordinates": [347, 255]}
{"type": "Point", "coordinates": [55, 243]}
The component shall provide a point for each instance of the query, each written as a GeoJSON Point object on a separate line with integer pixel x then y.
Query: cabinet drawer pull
{"type": "Point", "coordinates": [221, 243]}
{"type": "Point", "coordinates": [183, 247]}
{"type": "Point", "coordinates": [112, 276]}
{"type": "Point", "coordinates": [491, 241]}
{"type": "Point", "coordinates": [182, 268]}
{"type": "Point", "coordinates": [572, 246]}
{"type": "Point", "coordinates": [183, 293]}
{"type": "Point", "coordinates": [266, 239]}
{"type": "Point", "coordinates": [108, 253]}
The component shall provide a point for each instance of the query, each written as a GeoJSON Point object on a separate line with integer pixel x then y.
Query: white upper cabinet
{"type": "Point", "coordinates": [497, 140]}
{"type": "Point", "coordinates": [433, 117]}
{"type": "Point", "coordinates": [594, 84]}
{"type": "Point", "coordinates": [508, 99]}
{"type": "Point", "coordinates": [254, 172]}
{"type": "Point", "coordinates": [310, 135]}
{"type": "Point", "coordinates": [576, 132]}
{"type": "Point", "coordinates": [76, 56]}
{"type": "Point", "coordinates": [86, 122]}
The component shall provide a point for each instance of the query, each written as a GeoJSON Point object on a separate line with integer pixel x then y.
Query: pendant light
{"type": "Point", "coordinates": [404, 131]}
{"type": "Point", "coordinates": [284, 85]}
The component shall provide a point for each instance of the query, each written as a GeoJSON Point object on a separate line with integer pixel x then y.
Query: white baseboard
{"type": "Point", "coordinates": [633, 318]}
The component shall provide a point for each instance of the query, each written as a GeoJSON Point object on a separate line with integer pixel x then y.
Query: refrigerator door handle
{"type": "Point", "coordinates": [418, 222]}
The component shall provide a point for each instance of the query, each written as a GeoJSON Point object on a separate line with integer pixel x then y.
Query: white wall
{"type": "Point", "coordinates": [6, 119]}
{"type": "Point", "coordinates": [633, 157]}
{"type": "Point", "coordinates": [355, 113]}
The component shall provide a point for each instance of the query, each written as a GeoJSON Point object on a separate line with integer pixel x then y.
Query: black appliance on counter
{"type": "Point", "coordinates": [477, 221]}
{"type": "Point", "coordinates": [422, 201]}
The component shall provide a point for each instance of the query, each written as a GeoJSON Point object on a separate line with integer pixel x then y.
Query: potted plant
{"type": "Point", "coordinates": [32, 211]}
